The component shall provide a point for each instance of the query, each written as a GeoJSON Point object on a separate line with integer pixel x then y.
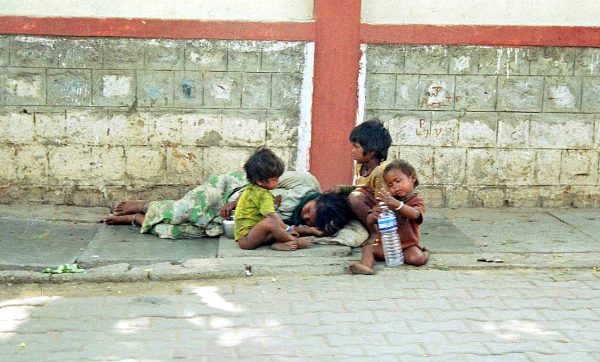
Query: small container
{"type": "Point", "coordinates": [228, 228]}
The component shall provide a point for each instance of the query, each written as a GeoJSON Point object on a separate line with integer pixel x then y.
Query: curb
{"type": "Point", "coordinates": [234, 267]}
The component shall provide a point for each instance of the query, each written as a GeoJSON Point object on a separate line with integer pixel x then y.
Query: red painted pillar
{"type": "Point", "coordinates": [335, 100]}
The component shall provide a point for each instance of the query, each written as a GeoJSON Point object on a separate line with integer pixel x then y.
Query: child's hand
{"type": "Point", "coordinates": [315, 231]}
{"type": "Point", "coordinates": [387, 198]}
{"type": "Point", "coordinates": [226, 209]}
{"type": "Point", "coordinates": [335, 189]}
{"type": "Point", "coordinates": [376, 212]}
{"type": "Point", "coordinates": [309, 230]}
{"type": "Point", "coordinates": [277, 200]}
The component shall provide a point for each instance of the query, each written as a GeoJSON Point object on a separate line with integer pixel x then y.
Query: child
{"type": "Point", "coordinates": [256, 222]}
{"type": "Point", "coordinates": [370, 142]}
{"type": "Point", "coordinates": [401, 179]}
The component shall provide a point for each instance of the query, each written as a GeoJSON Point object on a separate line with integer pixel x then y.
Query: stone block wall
{"type": "Point", "coordinates": [87, 121]}
{"type": "Point", "coordinates": [492, 126]}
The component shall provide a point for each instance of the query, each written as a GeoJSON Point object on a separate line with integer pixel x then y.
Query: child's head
{"type": "Point", "coordinates": [263, 167]}
{"type": "Point", "coordinates": [372, 136]}
{"type": "Point", "coordinates": [333, 212]}
{"type": "Point", "coordinates": [400, 178]}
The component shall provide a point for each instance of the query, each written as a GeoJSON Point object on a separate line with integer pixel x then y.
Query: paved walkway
{"type": "Point", "coordinates": [399, 314]}
{"type": "Point", "coordinates": [37, 237]}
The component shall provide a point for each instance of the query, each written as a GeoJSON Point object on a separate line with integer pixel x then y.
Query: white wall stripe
{"type": "Point", "coordinates": [362, 76]}
{"type": "Point", "coordinates": [482, 12]}
{"type": "Point", "coordinates": [306, 97]}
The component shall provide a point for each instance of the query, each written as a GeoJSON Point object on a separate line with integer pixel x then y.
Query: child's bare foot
{"type": "Point", "coordinates": [124, 219]}
{"type": "Point", "coordinates": [114, 219]}
{"type": "Point", "coordinates": [130, 207]}
{"type": "Point", "coordinates": [304, 242]}
{"type": "Point", "coordinates": [358, 268]}
{"type": "Point", "coordinates": [287, 246]}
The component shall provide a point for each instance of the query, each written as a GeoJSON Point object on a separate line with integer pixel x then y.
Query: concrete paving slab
{"type": "Point", "coordinates": [124, 244]}
{"type": "Point", "coordinates": [544, 261]}
{"type": "Point", "coordinates": [38, 236]}
{"type": "Point", "coordinates": [440, 236]}
{"type": "Point", "coordinates": [585, 220]}
{"type": "Point", "coordinates": [526, 230]}
{"type": "Point", "coordinates": [229, 248]}
{"type": "Point", "coordinates": [54, 213]}
{"type": "Point", "coordinates": [35, 244]}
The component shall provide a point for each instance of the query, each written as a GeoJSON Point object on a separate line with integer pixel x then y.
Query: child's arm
{"type": "Point", "coordinates": [398, 206]}
{"type": "Point", "coordinates": [274, 216]}
{"type": "Point", "coordinates": [309, 230]}
{"type": "Point", "coordinates": [226, 209]}
{"type": "Point", "coordinates": [342, 189]}
{"type": "Point", "coordinates": [378, 181]}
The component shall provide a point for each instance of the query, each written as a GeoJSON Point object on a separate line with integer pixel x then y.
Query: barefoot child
{"type": "Point", "coordinates": [401, 179]}
{"type": "Point", "coordinates": [256, 222]}
{"type": "Point", "coordinates": [370, 142]}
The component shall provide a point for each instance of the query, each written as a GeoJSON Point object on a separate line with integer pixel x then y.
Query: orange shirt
{"type": "Point", "coordinates": [408, 229]}
{"type": "Point", "coordinates": [373, 181]}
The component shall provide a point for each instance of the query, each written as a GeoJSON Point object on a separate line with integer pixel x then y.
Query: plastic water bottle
{"type": "Point", "coordinates": [390, 239]}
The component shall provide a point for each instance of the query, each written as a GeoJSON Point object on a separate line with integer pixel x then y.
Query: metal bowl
{"type": "Point", "coordinates": [228, 228]}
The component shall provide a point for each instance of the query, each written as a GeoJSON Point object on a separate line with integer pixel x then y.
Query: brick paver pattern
{"type": "Point", "coordinates": [408, 314]}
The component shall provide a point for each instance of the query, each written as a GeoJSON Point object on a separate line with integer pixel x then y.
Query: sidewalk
{"type": "Point", "coordinates": [40, 236]}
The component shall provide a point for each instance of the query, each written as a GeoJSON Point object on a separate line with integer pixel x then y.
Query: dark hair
{"type": "Point", "coordinates": [262, 165]}
{"type": "Point", "coordinates": [372, 136]}
{"type": "Point", "coordinates": [333, 212]}
{"type": "Point", "coordinates": [403, 166]}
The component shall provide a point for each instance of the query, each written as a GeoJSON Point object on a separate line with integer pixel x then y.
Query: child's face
{"type": "Point", "coordinates": [358, 154]}
{"type": "Point", "coordinates": [269, 184]}
{"type": "Point", "coordinates": [309, 213]}
{"type": "Point", "coordinates": [398, 183]}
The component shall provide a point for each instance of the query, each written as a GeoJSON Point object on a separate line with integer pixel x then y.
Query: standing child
{"type": "Point", "coordinates": [401, 179]}
{"type": "Point", "coordinates": [370, 143]}
{"type": "Point", "coordinates": [256, 222]}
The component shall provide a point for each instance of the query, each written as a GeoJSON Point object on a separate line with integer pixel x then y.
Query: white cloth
{"type": "Point", "coordinates": [352, 235]}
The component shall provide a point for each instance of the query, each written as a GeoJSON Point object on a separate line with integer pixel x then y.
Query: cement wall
{"type": "Point", "coordinates": [482, 12]}
{"type": "Point", "coordinates": [491, 126]}
{"type": "Point", "coordinates": [87, 121]}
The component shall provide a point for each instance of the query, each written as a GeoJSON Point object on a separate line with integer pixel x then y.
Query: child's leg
{"type": "Point", "coordinates": [263, 233]}
{"type": "Point", "coordinates": [369, 253]}
{"type": "Point", "coordinates": [361, 203]}
{"type": "Point", "coordinates": [415, 255]}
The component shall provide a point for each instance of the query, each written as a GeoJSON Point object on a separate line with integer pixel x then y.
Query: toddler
{"type": "Point", "coordinates": [256, 222]}
{"type": "Point", "coordinates": [401, 179]}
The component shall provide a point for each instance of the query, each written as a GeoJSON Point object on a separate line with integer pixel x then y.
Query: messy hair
{"type": "Point", "coordinates": [372, 136]}
{"type": "Point", "coordinates": [263, 165]}
{"type": "Point", "coordinates": [405, 167]}
{"type": "Point", "coordinates": [333, 212]}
